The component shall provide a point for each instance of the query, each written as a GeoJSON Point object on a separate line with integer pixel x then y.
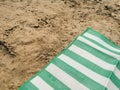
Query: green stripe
{"type": "Point", "coordinates": [115, 80]}
{"type": "Point", "coordinates": [118, 65]}
{"type": "Point", "coordinates": [52, 81]}
{"type": "Point", "coordinates": [28, 86]}
{"type": "Point", "coordinates": [97, 53]}
{"type": "Point", "coordinates": [100, 45]}
{"type": "Point", "coordinates": [101, 36]}
{"type": "Point", "coordinates": [93, 85]}
{"type": "Point", "coordinates": [88, 64]}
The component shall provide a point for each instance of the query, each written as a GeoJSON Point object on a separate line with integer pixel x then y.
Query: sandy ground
{"type": "Point", "coordinates": [32, 32]}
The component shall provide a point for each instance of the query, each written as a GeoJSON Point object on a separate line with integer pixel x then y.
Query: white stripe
{"type": "Point", "coordinates": [112, 86]}
{"type": "Point", "coordinates": [97, 47]}
{"type": "Point", "coordinates": [89, 73]}
{"type": "Point", "coordinates": [65, 78]}
{"type": "Point", "coordinates": [117, 73]}
{"type": "Point", "coordinates": [100, 41]}
{"type": "Point", "coordinates": [91, 58]}
{"type": "Point", "coordinates": [41, 84]}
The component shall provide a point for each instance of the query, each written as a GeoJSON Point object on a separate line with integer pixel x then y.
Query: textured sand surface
{"type": "Point", "coordinates": [32, 32]}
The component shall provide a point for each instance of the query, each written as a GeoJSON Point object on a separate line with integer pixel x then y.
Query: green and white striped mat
{"type": "Point", "coordinates": [90, 62]}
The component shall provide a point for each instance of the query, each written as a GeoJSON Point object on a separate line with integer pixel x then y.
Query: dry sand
{"type": "Point", "coordinates": [32, 32]}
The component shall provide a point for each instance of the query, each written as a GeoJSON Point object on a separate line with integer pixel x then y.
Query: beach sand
{"type": "Point", "coordinates": [32, 32]}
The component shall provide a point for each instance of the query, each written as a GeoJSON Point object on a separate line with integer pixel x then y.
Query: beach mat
{"type": "Point", "coordinates": [90, 62]}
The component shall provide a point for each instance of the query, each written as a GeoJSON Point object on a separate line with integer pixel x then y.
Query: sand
{"type": "Point", "coordinates": [32, 32]}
